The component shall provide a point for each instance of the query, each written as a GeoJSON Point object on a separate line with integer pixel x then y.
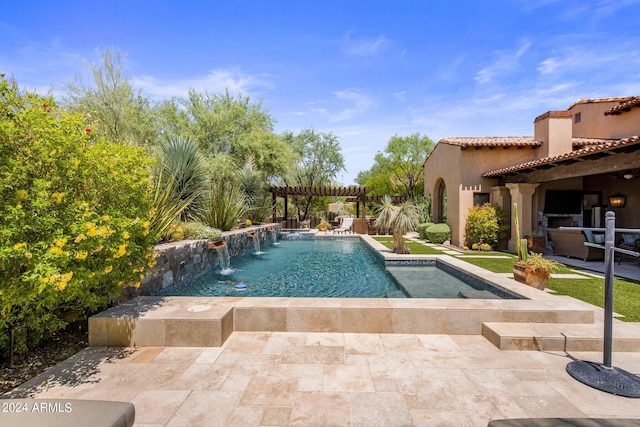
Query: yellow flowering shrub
{"type": "Point", "coordinates": [73, 218]}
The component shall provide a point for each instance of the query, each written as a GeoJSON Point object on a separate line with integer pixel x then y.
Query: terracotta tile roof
{"type": "Point", "coordinates": [492, 142]}
{"type": "Point", "coordinates": [585, 142]}
{"type": "Point", "coordinates": [598, 100]}
{"type": "Point", "coordinates": [633, 101]}
{"type": "Point", "coordinates": [589, 151]}
{"type": "Point", "coordinates": [554, 114]}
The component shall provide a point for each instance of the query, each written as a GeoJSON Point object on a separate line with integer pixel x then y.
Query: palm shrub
{"type": "Point", "coordinates": [399, 219]}
{"type": "Point", "coordinates": [74, 216]}
{"type": "Point", "coordinates": [482, 225]}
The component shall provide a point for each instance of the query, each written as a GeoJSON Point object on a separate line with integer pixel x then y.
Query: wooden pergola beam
{"type": "Point", "coordinates": [358, 193]}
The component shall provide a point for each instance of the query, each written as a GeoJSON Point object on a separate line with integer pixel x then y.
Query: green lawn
{"type": "Point", "coordinates": [414, 248]}
{"type": "Point", "coordinates": [590, 289]}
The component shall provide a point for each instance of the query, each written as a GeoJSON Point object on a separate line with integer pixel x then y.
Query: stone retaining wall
{"type": "Point", "coordinates": [182, 260]}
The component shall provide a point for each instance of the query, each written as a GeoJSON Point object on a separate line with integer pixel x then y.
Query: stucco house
{"type": "Point", "coordinates": [564, 175]}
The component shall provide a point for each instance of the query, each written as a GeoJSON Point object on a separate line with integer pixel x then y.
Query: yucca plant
{"type": "Point", "coordinates": [224, 204]}
{"type": "Point", "coordinates": [182, 160]}
{"type": "Point", "coordinates": [258, 206]}
{"type": "Point", "coordinates": [399, 219]}
{"type": "Point", "coordinates": [168, 203]}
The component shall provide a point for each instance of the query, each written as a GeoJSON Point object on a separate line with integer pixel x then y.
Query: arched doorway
{"type": "Point", "coordinates": [441, 204]}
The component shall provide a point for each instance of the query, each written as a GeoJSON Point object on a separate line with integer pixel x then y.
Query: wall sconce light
{"type": "Point", "coordinates": [617, 201]}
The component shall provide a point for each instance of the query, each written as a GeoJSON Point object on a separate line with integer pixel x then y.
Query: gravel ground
{"type": "Point", "coordinates": [26, 366]}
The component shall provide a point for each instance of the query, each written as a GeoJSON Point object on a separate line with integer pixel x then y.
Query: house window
{"type": "Point", "coordinates": [577, 118]}
{"type": "Point", "coordinates": [480, 199]}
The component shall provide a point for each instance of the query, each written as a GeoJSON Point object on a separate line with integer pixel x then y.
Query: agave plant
{"type": "Point", "coordinates": [182, 161]}
{"type": "Point", "coordinates": [399, 219]}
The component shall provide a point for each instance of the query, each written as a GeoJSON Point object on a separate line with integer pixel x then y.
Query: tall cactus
{"type": "Point", "coordinates": [521, 244]}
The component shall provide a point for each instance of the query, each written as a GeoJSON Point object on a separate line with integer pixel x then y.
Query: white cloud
{"type": "Point", "coordinates": [365, 47]}
{"type": "Point", "coordinates": [580, 58]}
{"type": "Point", "coordinates": [232, 79]}
{"type": "Point", "coordinates": [504, 62]}
{"type": "Point", "coordinates": [345, 105]}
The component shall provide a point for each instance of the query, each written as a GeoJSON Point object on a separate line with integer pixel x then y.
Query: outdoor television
{"type": "Point", "coordinates": [563, 202]}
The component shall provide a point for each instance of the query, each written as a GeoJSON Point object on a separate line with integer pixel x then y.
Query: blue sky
{"type": "Point", "coordinates": [364, 70]}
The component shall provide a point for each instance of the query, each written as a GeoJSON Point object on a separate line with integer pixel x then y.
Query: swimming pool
{"type": "Point", "coordinates": [339, 268]}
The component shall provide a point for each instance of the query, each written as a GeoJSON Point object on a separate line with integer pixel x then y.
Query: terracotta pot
{"type": "Point", "coordinates": [536, 243]}
{"type": "Point", "coordinates": [215, 244]}
{"type": "Point", "coordinates": [525, 274]}
{"type": "Point", "coordinates": [323, 227]}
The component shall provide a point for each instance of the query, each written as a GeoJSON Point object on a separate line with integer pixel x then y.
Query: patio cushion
{"type": "Point", "coordinates": [630, 238]}
{"type": "Point", "coordinates": [589, 235]}
{"type": "Point", "coordinates": [65, 412]}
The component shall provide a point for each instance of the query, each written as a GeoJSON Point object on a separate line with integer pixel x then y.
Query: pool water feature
{"type": "Point", "coordinates": [340, 268]}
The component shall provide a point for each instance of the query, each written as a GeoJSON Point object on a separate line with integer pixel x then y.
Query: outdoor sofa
{"type": "Point", "coordinates": [571, 243]}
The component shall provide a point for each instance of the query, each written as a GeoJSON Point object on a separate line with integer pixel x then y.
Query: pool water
{"type": "Point", "coordinates": [339, 268]}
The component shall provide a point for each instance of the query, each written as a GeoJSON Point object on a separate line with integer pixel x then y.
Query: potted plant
{"type": "Point", "coordinates": [534, 270]}
{"type": "Point", "coordinates": [324, 225]}
{"type": "Point", "coordinates": [531, 268]}
{"type": "Point", "coordinates": [536, 242]}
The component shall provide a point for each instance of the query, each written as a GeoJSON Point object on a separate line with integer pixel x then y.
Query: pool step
{"type": "Point", "coordinates": [561, 336]}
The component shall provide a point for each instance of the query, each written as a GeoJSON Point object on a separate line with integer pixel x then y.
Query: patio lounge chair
{"type": "Point", "coordinates": [347, 225]}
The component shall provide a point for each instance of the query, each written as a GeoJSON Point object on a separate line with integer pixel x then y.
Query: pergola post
{"type": "Point", "coordinates": [358, 193]}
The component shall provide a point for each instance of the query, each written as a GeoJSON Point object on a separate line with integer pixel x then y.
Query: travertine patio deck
{"type": "Point", "coordinates": [318, 362]}
{"type": "Point", "coordinates": [340, 379]}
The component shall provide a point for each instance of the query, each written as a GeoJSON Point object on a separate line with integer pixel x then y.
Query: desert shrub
{"type": "Point", "coordinates": [73, 218]}
{"type": "Point", "coordinates": [423, 204]}
{"type": "Point", "coordinates": [422, 229]}
{"type": "Point", "coordinates": [438, 233]}
{"type": "Point", "coordinates": [485, 247]}
{"type": "Point", "coordinates": [223, 205]}
{"type": "Point", "coordinates": [199, 231]}
{"type": "Point", "coordinates": [482, 225]}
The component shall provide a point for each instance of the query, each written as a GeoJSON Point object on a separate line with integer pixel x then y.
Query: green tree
{"type": "Point", "coordinates": [398, 170]}
{"type": "Point", "coordinates": [73, 218]}
{"type": "Point", "coordinates": [320, 161]}
{"type": "Point", "coordinates": [119, 114]}
{"type": "Point", "coordinates": [227, 125]}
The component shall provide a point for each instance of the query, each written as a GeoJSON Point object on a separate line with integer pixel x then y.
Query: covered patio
{"type": "Point", "coordinates": [574, 189]}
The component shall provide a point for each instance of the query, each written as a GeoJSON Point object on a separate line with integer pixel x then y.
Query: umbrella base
{"type": "Point", "coordinates": [609, 379]}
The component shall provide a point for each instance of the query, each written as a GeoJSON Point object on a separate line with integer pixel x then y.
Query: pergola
{"type": "Point", "coordinates": [356, 194]}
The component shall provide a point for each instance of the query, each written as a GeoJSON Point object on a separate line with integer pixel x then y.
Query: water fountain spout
{"type": "Point", "coordinates": [273, 234]}
{"type": "Point", "coordinates": [223, 255]}
{"type": "Point", "coordinates": [256, 242]}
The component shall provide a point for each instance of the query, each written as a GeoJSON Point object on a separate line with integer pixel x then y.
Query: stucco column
{"type": "Point", "coordinates": [522, 194]}
{"type": "Point", "coordinates": [500, 197]}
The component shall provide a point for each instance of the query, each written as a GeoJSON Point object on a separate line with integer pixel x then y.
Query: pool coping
{"type": "Point", "coordinates": [209, 321]}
